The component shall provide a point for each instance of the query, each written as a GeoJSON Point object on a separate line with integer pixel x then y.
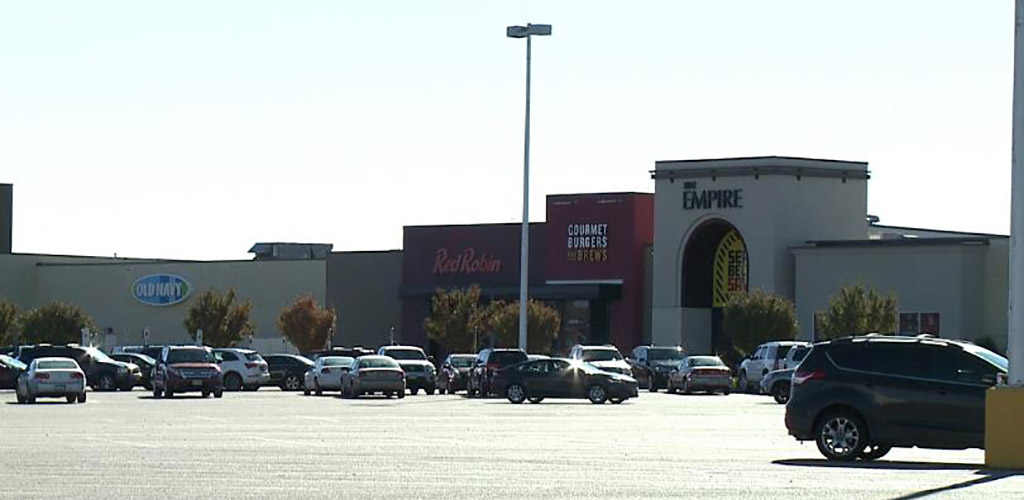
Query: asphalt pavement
{"type": "Point", "coordinates": [277, 445]}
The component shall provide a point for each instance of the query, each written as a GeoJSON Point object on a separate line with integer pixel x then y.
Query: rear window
{"type": "Point", "coordinates": [377, 363]}
{"type": "Point", "coordinates": [414, 354]}
{"type": "Point", "coordinates": [57, 365]}
{"type": "Point", "coordinates": [507, 357]}
{"type": "Point", "coordinates": [253, 356]}
{"type": "Point", "coordinates": [337, 361]}
{"type": "Point", "coordinates": [799, 353]}
{"type": "Point", "coordinates": [708, 361]}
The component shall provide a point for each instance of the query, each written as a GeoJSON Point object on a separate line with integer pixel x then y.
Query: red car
{"type": "Point", "coordinates": [187, 369]}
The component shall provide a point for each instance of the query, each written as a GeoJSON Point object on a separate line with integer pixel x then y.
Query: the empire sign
{"type": "Point", "coordinates": [707, 199]}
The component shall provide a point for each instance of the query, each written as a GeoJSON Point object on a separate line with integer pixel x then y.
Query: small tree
{"type": "Point", "coordinates": [857, 310]}
{"type": "Point", "coordinates": [542, 324]}
{"type": "Point", "coordinates": [222, 321]}
{"type": "Point", "coordinates": [8, 322]}
{"type": "Point", "coordinates": [751, 319]}
{"type": "Point", "coordinates": [305, 324]}
{"type": "Point", "coordinates": [456, 318]}
{"type": "Point", "coordinates": [56, 323]}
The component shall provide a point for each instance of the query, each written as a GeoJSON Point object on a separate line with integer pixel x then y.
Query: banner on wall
{"type": "Point", "coordinates": [730, 270]}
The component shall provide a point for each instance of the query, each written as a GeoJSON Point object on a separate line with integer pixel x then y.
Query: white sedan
{"type": "Point", "coordinates": [52, 378]}
{"type": "Point", "coordinates": [326, 374]}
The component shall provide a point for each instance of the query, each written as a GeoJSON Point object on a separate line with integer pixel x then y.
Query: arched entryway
{"type": "Point", "coordinates": [715, 266]}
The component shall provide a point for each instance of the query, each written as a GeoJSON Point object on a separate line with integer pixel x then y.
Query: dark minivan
{"type": "Point", "coordinates": [487, 362]}
{"type": "Point", "coordinates": [858, 397]}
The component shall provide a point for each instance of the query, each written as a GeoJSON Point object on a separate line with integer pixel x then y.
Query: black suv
{"type": "Point", "coordinates": [287, 371]}
{"type": "Point", "coordinates": [101, 372]}
{"type": "Point", "coordinates": [651, 365]}
{"type": "Point", "coordinates": [858, 397]}
{"type": "Point", "coordinates": [487, 362]}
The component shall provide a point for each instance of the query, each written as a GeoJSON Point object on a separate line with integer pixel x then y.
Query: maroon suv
{"type": "Point", "coordinates": [187, 369]}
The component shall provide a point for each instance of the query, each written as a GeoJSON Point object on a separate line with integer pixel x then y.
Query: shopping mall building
{"type": "Point", "coordinates": [621, 268]}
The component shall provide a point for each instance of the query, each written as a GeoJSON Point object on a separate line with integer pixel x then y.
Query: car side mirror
{"type": "Point", "coordinates": [431, 359]}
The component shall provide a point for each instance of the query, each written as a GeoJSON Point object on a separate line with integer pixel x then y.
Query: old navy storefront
{"type": "Point", "coordinates": [587, 261]}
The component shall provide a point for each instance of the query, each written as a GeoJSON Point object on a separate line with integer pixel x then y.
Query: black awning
{"type": "Point", "coordinates": [542, 292]}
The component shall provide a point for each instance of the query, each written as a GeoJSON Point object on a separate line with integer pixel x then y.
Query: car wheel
{"type": "Point", "coordinates": [669, 387]}
{"type": "Point", "coordinates": [596, 394]}
{"type": "Point", "coordinates": [686, 387]}
{"type": "Point", "coordinates": [157, 392]}
{"type": "Point", "coordinates": [841, 435]}
{"type": "Point", "coordinates": [30, 399]}
{"type": "Point", "coordinates": [219, 393]}
{"type": "Point", "coordinates": [388, 394]}
{"type": "Point", "coordinates": [127, 387]}
{"type": "Point", "coordinates": [292, 383]}
{"type": "Point", "coordinates": [414, 390]}
{"type": "Point", "coordinates": [305, 390]}
{"type": "Point", "coordinates": [316, 387]}
{"type": "Point", "coordinates": [780, 392]}
{"type": "Point", "coordinates": [232, 382]}
{"type": "Point", "coordinates": [21, 399]}
{"type": "Point", "coordinates": [70, 398]}
{"type": "Point", "coordinates": [744, 385]}
{"type": "Point", "coordinates": [874, 452]}
{"type": "Point", "coordinates": [726, 392]}
{"type": "Point", "coordinates": [536, 400]}
{"type": "Point", "coordinates": [401, 394]}
{"type": "Point", "coordinates": [81, 397]}
{"type": "Point", "coordinates": [616, 401]}
{"type": "Point", "coordinates": [206, 394]}
{"type": "Point", "coordinates": [107, 382]}
{"type": "Point", "coordinates": [652, 386]}
{"type": "Point", "coordinates": [429, 391]}
{"type": "Point", "coordinates": [168, 393]}
{"type": "Point", "coordinates": [515, 393]}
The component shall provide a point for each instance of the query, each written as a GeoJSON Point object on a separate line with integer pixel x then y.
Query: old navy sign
{"type": "Point", "coordinates": [161, 289]}
{"type": "Point", "coordinates": [708, 199]}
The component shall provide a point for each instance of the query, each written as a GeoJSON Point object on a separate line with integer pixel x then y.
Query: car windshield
{"type": "Point", "coordinates": [98, 355]}
{"type": "Point", "coordinates": [706, 361]}
{"type": "Point", "coordinates": [189, 356]}
{"type": "Point", "coordinates": [462, 361]}
{"type": "Point", "coordinates": [253, 356]}
{"type": "Point", "coordinates": [664, 354]}
{"type": "Point", "coordinates": [377, 363]}
{"type": "Point", "coordinates": [9, 361]}
{"type": "Point", "coordinates": [405, 354]}
{"type": "Point", "coordinates": [337, 361]}
{"type": "Point", "coordinates": [989, 356]}
{"type": "Point", "coordinates": [57, 364]}
{"type": "Point", "coordinates": [601, 355]}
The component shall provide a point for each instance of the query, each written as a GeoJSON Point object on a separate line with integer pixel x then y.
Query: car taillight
{"type": "Point", "coordinates": [42, 376]}
{"type": "Point", "coordinates": [804, 376]}
{"type": "Point", "coordinates": [255, 365]}
{"type": "Point", "coordinates": [325, 370]}
{"type": "Point", "coordinates": [76, 376]}
{"type": "Point", "coordinates": [401, 375]}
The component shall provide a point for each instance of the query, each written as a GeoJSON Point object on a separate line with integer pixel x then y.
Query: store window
{"type": "Point", "coordinates": [914, 323]}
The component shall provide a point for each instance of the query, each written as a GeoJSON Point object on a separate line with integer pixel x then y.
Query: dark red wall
{"type": "Point", "coordinates": [625, 225]}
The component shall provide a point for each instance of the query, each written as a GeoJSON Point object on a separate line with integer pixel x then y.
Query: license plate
{"type": "Point", "coordinates": [197, 383]}
{"type": "Point", "coordinates": [59, 387]}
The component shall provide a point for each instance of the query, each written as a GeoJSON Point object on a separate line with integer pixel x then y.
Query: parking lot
{"type": "Point", "coordinates": [272, 444]}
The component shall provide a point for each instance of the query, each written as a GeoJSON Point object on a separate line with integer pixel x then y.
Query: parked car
{"type": "Point", "coordinates": [700, 373]}
{"type": "Point", "coordinates": [101, 372]}
{"type": "Point", "coordinates": [778, 384]}
{"type": "Point", "coordinates": [454, 373]}
{"type": "Point", "coordinates": [350, 352]}
{"type": "Point", "coordinates": [370, 374]}
{"type": "Point", "coordinates": [489, 361]}
{"type": "Point", "coordinates": [650, 365]}
{"type": "Point", "coordinates": [858, 397]}
{"type": "Point", "coordinates": [244, 369]}
{"type": "Point", "coordinates": [187, 368]}
{"type": "Point", "coordinates": [603, 357]}
{"type": "Point", "coordinates": [145, 363]}
{"type": "Point", "coordinates": [326, 373]}
{"type": "Point", "coordinates": [535, 357]}
{"type": "Point", "coordinates": [51, 378]}
{"type": "Point", "coordinates": [768, 357]}
{"type": "Point", "coordinates": [419, 369]}
{"type": "Point", "coordinates": [287, 371]}
{"type": "Point", "coordinates": [795, 355]}
{"type": "Point", "coordinates": [10, 369]}
{"type": "Point", "coordinates": [562, 378]}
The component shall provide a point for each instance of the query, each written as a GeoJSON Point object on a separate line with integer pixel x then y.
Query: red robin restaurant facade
{"type": "Point", "coordinates": [589, 261]}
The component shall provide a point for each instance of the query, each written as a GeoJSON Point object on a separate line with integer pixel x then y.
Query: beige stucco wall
{"type": "Point", "coordinates": [103, 290]}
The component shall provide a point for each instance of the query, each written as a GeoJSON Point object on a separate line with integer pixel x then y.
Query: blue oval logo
{"type": "Point", "coordinates": [161, 289]}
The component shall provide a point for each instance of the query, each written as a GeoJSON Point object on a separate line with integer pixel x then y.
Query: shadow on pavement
{"type": "Point", "coordinates": [877, 464]}
{"type": "Point", "coordinates": [987, 476]}
{"type": "Point", "coordinates": [183, 397]}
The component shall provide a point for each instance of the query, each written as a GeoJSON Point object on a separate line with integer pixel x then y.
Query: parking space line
{"type": "Point", "coordinates": [120, 442]}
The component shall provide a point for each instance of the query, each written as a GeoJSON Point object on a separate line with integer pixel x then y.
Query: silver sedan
{"type": "Point", "coordinates": [52, 378]}
{"type": "Point", "coordinates": [326, 373]}
{"type": "Point", "coordinates": [371, 374]}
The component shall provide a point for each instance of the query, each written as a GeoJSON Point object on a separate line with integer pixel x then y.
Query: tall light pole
{"type": "Point", "coordinates": [1015, 341]}
{"type": "Point", "coordinates": [527, 32]}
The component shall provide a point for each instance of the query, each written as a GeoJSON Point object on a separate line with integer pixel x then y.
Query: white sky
{"type": "Point", "coordinates": [194, 128]}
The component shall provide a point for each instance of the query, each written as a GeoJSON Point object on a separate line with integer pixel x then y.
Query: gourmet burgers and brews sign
{"type": "Point", "coordinates": [587, 242]}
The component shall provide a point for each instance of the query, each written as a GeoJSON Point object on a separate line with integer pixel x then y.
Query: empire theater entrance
{"type": "Point", "coordinates": [715, 266]}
